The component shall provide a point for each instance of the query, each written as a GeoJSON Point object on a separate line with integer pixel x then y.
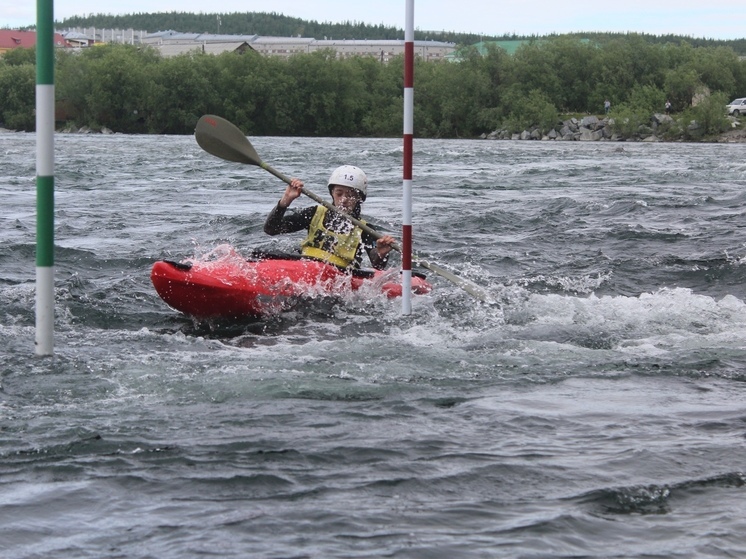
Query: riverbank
{"type": "Point", "coordinates": [662, 128]}
{"type": "Point", "coordinates": [583, 130]}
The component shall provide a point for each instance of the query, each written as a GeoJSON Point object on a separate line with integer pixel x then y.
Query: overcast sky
{"type": "Point", "coordinates": [717, 19]}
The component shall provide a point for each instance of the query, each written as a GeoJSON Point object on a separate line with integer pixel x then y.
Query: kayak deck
{"type": "Point", "coordinates": [237, 288]}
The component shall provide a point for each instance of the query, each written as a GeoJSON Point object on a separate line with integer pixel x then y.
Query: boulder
{"type": "Point", "coordinates": [660, 118]}
{"type": "Point", "coordinates": [644, 130]}
{"type": "Point", "coordinates": [591, 122]}
{"type": "Point", "coordinates": [590, 135]}
{"type": "Point", "coordinates": [694, 129]}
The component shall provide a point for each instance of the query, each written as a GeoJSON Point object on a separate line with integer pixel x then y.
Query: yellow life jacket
{"type": "Point", "coordinates": [330, 246]}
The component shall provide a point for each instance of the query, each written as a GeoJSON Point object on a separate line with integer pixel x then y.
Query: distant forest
{"type": "Point", "coordinates": [278, 25]}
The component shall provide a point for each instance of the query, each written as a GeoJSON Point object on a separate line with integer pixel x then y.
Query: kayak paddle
{"type": "Point", "coordinates": [222, 138]}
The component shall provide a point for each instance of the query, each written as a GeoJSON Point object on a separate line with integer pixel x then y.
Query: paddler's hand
{"type": "Point", "coordinates": [384, 245]}
{"type": "Point", "coordinates": [293, 191]}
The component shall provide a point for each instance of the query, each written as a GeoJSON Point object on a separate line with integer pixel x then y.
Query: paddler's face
{"type": "Point", "coordinates": [345, 198]}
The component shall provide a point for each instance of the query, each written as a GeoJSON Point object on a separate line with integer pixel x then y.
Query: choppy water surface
{"type": "Point", "coordinates": [597, 411]}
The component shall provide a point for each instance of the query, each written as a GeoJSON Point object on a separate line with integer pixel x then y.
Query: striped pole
{"type": "Point", "coordinates": [406, 258]}
{"type": "Point", "coordinates": [45, 177]}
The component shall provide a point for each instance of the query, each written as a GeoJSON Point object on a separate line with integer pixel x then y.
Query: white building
{"type": "Point", "coordinates": [172, 43]}
{"type": "Point", "coordinates": [94, 35]}
{"type": "Point", "coordinates": [383, 50]}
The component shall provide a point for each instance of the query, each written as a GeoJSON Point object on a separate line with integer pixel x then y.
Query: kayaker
{"type": "Point", "coordinates": [332, 238]}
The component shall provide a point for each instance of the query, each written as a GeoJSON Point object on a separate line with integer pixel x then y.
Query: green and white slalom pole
{"type": "Point", "coordinates": [45, 177]}
{"type": "Point", "coordinates": [406, 252]}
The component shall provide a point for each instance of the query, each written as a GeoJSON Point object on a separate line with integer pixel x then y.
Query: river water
{"type": "Point", "coordinates": [597, 410]}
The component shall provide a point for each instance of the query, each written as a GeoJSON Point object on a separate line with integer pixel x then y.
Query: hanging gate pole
{"type": "Point", "coordinates": [45, 177]}
{"type": "Point", "coordinates": [406, 258]}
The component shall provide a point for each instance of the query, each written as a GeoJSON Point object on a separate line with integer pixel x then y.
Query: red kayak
{"type": "Point", "coordinates": [232, 287]}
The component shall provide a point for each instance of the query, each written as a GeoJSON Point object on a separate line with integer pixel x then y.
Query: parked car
{"type": "Point", "coordinates": [737, 107]}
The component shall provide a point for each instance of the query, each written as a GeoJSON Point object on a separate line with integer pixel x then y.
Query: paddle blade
{"type": "Point", "coordinates": [224, 139]}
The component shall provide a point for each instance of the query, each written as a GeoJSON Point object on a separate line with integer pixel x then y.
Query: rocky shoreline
{"type": "Point", "coordinates": [67, 130]}
{"type": "Point", "coordinates": [593, 129]}
{"type": "Point", "coordinates": [587, 129]}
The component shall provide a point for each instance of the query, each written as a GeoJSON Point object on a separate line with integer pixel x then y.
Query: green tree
{"type": "Point", "coordinates": [496, 67]}
{"type": "Point", "coordinates": [647, 99]}
{"type": "Point", "coordinates": [253, 92]}
{"type": "Point", "coordinates": [625, 63]}
{"type": "Point", "coordinates": [329, 92]}
{"type": "Point", "coordinates": [575, 64]}
{"type": "Point", "coordinates": [534, 68]}
{"type": "Point", "coordinates": [627, 119]}
{"type": "Point", "coordinates": [19, 57]}
{"type": "Point", "coordinates": [447, 95]}
{"type": "Point", "coordinates": [529, 111]}
{"type": "Point", "coordinates": [17, 99]}
{"type": "Point", "coordinates": [117, 80]}
{"type": "Point", "coordinates": [383, 106]}
{"type": "Point", "coordinates": [680, 85]}
{"type": "Point", "coordinates": [178, 91]}
{"type": "Point", "coordinates": [72, 76]}
{"type": "Point", "coordinates": [638, 110]}
{"type": "Point", "coordinates": [716, 68]}
{"type": "Point", "coordinates": [710, 115]}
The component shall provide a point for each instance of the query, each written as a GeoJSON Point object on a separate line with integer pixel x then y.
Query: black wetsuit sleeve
{"type": "Point", "coordinates": [279, 222]}
{"type": "Point", "coordinates": [369, 245]}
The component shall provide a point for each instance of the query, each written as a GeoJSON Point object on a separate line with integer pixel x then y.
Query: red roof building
{"type": "Point", "coordinates": [11, 39]}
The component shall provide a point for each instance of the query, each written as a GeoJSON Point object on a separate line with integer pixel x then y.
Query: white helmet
{"type": "Point", "coordinates": [349, 175]}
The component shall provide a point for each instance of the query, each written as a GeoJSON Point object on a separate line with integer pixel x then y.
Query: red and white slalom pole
{"type": "Point", "coordinates": [406, 253]}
